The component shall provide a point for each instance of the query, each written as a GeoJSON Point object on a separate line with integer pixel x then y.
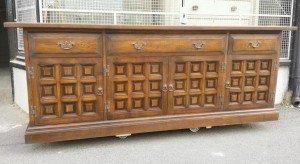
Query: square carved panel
{"type": "Point", "coordinates": [195, 100]}
{"type": "Point", "coordinates": [138, 69]}
{"type": "Point", "coordinates": [250, 81]}
{"type": "Point", "coordinates": [137, 86]}
{"type": "Point", "coordinates": [88, 106]}
{"type": "Point", "coordinates": [68, 89]}
{"type": "Point", "coordinates": [195, 84]}
{"type": "Point", "coordinates": [180, 67]}
{"type": "Point", "coordinates": [265, 65]}
{"type": "Point", "coordinates": [68, 71]}
{"type": "Point", "coordinates": [88, 88]}
{"type": "Point", "coordinates": [180, 85]}
{"type": "Point", "coordinates": [235, 82]}
{"type": "Point", "coordinates": [262, 96]}
{"type": "Point", "coordinates": [49, 109]}
{"type": "Point", "coordinates": [48, 91]}
{"type": "Point", "coordinates": [88, 70]}
{"type": "Point", "coordinates": [138, 103]}
{"type": "Point", "coordinates": [237, 66]}
{"type": "Point", "coordinates": [120, 69]}
{"type": "Point", "coordinates": [179, 101]}
{"type": "Point", "coordinates": [196, 67]}
{"type": "Point", "coordinates": [210, 99]}
{"type": "Point", "coordinates": [250, 66]}
{"type": "Point", "coordinates": [263, 80]}
{"type": "Point", "coordinates": [47, 71]}
{"type": "Point", "coordinates": [69, 108]}
{"type": "Point", "coordinates": [234, 97]}
{"type": "Point", "coordinates": [155, 68]}
{"type": "Point", "coordinates": [248, 96]}
{"type": "Point", "coordinates": [155, 86]}
{"type": "Point", "coordinates": [211, 83]}
{"type": "Point", "coordinates": [121, 87]}
{"type": "Point", "coordinates": [212, 67]}
{"type": "Point", "coordinates": [121, 104]}
{"type": "Point", "coordinates": [154, 102]}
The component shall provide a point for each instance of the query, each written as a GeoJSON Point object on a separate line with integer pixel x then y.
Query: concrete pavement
{"type": "Point", "coordinates": [267, 142]}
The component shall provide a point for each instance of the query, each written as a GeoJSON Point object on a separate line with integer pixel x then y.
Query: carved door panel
{"type": "Point", "coordinates": [251, 81]}
{"type": "Point", "coordinates": [136, 86]}
{"type": "Point", "coordinates": [195, 84]}
{"type": "Point", "coordinates": [68, 90]}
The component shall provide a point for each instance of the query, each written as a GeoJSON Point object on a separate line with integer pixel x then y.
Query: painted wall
{"type": "Point", "coordinates": [20, 89]}
{"type": "Point", "coordinates": [282, 83]}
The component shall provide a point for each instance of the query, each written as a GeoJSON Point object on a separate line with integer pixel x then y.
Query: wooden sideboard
{"type": "Point", "coordinates": [89, 81]}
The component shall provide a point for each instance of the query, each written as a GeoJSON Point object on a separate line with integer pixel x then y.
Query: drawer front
{"type": "Point", "coordinates": [66, 43]}
{"type": "Point", "coordinates": [252, 43]}
{"type": "Point", "coordinates": [143, 43]}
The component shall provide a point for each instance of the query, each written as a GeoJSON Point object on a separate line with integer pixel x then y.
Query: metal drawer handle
{"type": "Point", "coordinates": [66, 45]}
{"type": "Point", "coordinates": [227, 85]}
{"type": "Point", "coordinates": [171, 88]}
{"type": "Point", "coordinates": [199, 44]}
{"type": "Point", "coordinates": [165, 88]}
{"type": "Point", "coordinates": [139, 45]}
{"type": "Point", "coordinates": [100, 91]}
{"type": "Point", "coordinates": [255, 43]}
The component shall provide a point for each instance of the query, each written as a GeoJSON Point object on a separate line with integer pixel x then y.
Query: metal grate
{"type": "Point", "coordinates": [173, 12]}
{"type": "Point", "coordinates": [25, 12]}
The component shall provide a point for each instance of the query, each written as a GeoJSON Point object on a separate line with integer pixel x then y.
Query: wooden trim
{"type": "Point", "coordinates": [129, 27]}
{"type": "Point", "coordinates": [141, 125]}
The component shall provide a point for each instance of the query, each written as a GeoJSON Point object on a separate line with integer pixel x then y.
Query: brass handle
{"type": "Point", "coordinates": [199, 45]}
{"type": "Point", "coordinates": [171, 88]}
{"type": "Point", "coordinates": [66, 45]}
{"type": "Point", "coordinates": [227, 85]}
{"type": "Point", "coordinates": [165, 88]}
{"type": "Point", "coordinates": [255, 43]}
{"type": "Point", "coordinates": [139, 45]}
{"type": "Point", "coordinates": [100, 91]}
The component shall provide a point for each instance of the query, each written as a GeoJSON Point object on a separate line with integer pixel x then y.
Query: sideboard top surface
{"type": "Point", "coordinates": [130, 27]}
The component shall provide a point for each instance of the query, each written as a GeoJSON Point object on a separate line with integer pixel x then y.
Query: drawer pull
{"type": "Point", "coordinates": [199, 45]}
{"type": "Point", "coordinates": [100, 91]}
{"type": "Point", "coordinates": [165, 88]}
{"type": "Point", "coordinates": [139, 45]}
{"type": "Point", "coordinates": [255, 43]}
{"type": "Point", "coordinates": [66, 45]}
{"type": "Point", "coordinates": [171, 88]}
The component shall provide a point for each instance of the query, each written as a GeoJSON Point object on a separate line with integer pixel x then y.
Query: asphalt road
{"type": "Point", "coordinates": [266, 142]}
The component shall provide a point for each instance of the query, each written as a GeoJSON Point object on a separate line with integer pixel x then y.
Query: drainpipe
{"type": "Point", "coordinates": [296, 61]}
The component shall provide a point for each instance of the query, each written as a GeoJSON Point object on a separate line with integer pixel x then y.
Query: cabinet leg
{"type": "Point", "coordinates": [123, 136]}
{"type": "Point", "coordinates": [194, 130]}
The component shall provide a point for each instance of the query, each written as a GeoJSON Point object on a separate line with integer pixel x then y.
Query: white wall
{"type": "Point", "coordinates": [282, 83]}
{"type": "Point", "coordinates": [20, 89]}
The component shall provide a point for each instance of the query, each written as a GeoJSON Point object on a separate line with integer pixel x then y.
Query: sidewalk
{"type": "Point", "coordinates": [266, 142]}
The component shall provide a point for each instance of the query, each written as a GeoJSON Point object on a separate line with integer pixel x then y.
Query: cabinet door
{"type": "Point", "coordinates": [251, 81]}
{"type": "Point", "coordinates": [66, 90]}
{"type": "Point", "coordinates": [195, 84]}
{"type": "Point", "coordinates": [136, 86]}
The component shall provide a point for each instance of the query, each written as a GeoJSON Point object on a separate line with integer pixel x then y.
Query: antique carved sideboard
{"type": "Point", "coordinates": [89, 81]}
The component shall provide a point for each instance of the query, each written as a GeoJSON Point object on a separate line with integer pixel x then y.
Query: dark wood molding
{"type": "Point", "coordinates": [130, 27]}
{"type": "Point", "coordinates": [56, 133]}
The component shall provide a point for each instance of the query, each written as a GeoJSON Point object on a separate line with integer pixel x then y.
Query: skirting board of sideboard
{"type": "Point", "coordinates": [53, 133]}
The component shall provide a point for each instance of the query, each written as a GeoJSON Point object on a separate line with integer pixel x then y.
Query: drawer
{"type": "Point", "coordinates": [253, 43]}
{"type": "Point", "coordinates": [65, 43]}
{"type": "Point", "coordinates": [147, 43]}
